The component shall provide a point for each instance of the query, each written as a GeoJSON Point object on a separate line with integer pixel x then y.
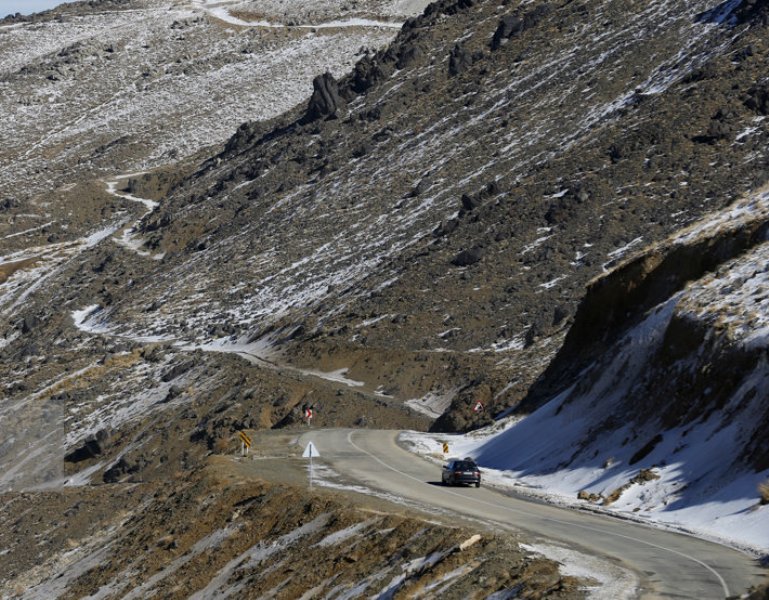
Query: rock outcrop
{"type": "Point", "coordinates": [325, 103]}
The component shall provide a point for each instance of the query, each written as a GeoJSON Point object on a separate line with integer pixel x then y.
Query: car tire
{"type": "Point", "coordinates": [477, 484]}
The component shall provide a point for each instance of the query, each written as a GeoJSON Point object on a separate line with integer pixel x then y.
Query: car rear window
{"type": "Point", "coordinates": [465, 466]}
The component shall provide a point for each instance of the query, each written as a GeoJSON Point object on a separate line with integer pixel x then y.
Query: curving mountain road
{"type": "Point", "coordinates": [668, 565]}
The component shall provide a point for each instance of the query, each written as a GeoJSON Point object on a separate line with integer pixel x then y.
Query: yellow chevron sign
{"type": "Point", "coordinates": [245, 439]}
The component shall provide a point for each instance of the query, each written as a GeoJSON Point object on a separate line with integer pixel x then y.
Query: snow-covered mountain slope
{"type": "Point", "coordinates": [471, 180]}
{"type": "Point", "coordinates": [667, 422]}
{"type": "Point", "coordinates": [103, 89]}
{"type": "Point", "coordinates": [426, 226]}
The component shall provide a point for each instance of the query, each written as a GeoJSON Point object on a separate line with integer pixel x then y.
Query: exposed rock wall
{"type": "Point", "coordinates": [616, 302]}
{"type": "Point", "coordinates": [707, 361]}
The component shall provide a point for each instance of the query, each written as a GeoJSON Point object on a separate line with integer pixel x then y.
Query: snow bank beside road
{"type": "Point", "coordinates": [731, 515]}
{"type": "Point", "coordinates": [585, 441]}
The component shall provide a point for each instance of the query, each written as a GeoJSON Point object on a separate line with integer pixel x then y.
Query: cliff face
{"type": "Point", "coordinates": [615, 303]}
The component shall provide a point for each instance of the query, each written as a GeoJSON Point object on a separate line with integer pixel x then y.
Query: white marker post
{"type": "Point", "coordinates": [309, 452]}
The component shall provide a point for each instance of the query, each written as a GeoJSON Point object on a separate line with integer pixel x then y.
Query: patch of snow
{"type": "Point", "coordinates": [343, 535]}
{"type": "Point", "coordinates": [751, 208]}
{"type": "Point", "coordinates": [735, 299]}
{"type": "Point", "coordinates": [611, 581]}
{"type": "Point", "coordinates": [26, 231]}
{"type": "Point", "coordinates": [372, 321]}
{"type": "Point", "coordinates": [97, 236]}
{"type": "Point", "coordinates": [536, 243]}
{"type": "Point", "coordinates": [219, 587]}
{"type": "Point", "coordinates": [258, 352]}
{"type": "Point", "coordinates": [92, 319]}
{"type": "Point", "coordinates": [438, 587]}
{"type": "Point", "coordinates": [83, 477]}
{"type": "Point", "coordinates": [205, 544]}
{"type": "Point", "coordinates": [337, 376]}
{"type": "Point", "coordinates": [514, 344]}
{"type": "Point", "coordinates": [617, 254]}
{"type": "Point", "coordinates": [553, 282]}
{"type": "Point", "coordinates": [432, 404]}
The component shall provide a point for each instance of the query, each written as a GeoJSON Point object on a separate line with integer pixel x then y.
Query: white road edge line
{"type": "Point", "coordinates": [715, 573]}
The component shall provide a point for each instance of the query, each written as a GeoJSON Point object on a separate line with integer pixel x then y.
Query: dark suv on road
{"type": "Point", "coordinates": [461, 471]}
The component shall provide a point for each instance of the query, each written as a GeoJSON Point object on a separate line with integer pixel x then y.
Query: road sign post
{"type": "Point", "coordinates": [309, 452]}
{"type": "Point", "coordinates": [245, 443]}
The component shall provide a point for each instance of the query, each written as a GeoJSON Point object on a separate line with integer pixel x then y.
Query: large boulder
{"type": "Point", "coordinates": [468, 257]}
{"type": "Point", "coordinates": [509, 25]}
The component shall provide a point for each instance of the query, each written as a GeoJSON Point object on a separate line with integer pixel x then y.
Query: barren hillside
{"type": "Point", "coordinates": [216, 214]}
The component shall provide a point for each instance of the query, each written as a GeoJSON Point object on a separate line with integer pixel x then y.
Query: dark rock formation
{"type": "Point", "coordinates": [325, 103]}
{"type": "Point", "coordinates": [755, 11]}
{"type": "Point", "coordinates": [511, 26]}
{"type": "Point", "coordinates": [758, 99]}
{"type": "Point", "coordinates": [468, 257]}
{"type": "Point", "coordinates": [459, 60]}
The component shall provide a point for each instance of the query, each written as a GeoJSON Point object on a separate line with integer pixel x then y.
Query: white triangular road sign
{"type": "Point", "coordinates": [310, 451]}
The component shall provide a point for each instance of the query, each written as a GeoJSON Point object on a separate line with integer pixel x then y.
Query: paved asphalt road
{"type": "Point", "coordinates": [668, 565]}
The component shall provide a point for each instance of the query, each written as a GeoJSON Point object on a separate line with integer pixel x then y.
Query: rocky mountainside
{"type": "Point", "coordinates": [452, 197]}
{"type": "Point", "coordinates": [218, 213]}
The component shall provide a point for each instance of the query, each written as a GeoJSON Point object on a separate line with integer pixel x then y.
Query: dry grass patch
{"type": "Point", "coordinates": [88, 376]}
{"type": "Point", "coordinates": [763, 492]}
{"type": "Point", "coordinates": [8, 269]}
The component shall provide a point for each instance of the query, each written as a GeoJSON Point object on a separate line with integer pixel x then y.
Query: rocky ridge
{"type": "Point", "coordinates": [216, 533]}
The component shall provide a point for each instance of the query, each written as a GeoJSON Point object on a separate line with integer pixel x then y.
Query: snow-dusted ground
{"type": "Point", "coordinates": [312, 13]}
{"type": "Point", "coordinates": [607, 581]}
{"type": "Point", "coordinates": [171, 79]}
{"type": "Point", "coordinates": [292, 273]}
{"type": "Point", "coordinates": [129, 238]}
{"type": "Point", "coordinates": [173, 63]}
